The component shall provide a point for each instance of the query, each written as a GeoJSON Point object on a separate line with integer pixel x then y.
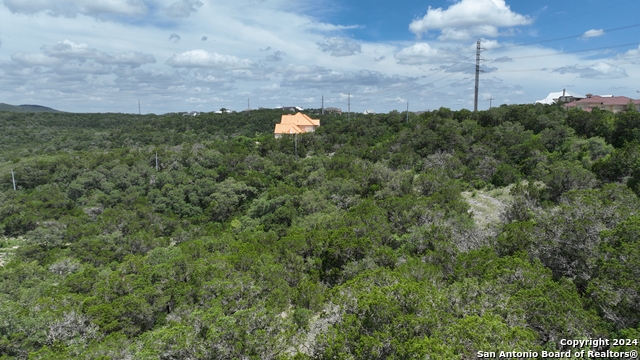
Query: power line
{"type": "Point", "coordinates": [431, 83]}
{"type": "Point", "coordinates": [567, 37]}
{"type": "Point", "coordinates": [576, 51]}
{"type": "Point", "coordinates": [414, 88]}
{"type": "Point", "coordinates": [409, 85]}
{"type": "Point", "coordinates": [545, 69]}
{"type": "Point", "coordinates": [588, 12]}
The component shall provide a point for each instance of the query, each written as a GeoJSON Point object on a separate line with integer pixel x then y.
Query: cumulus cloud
{"type": "Point", "coordinates": [174, 37]}
{"type": "Point", "coordinates": [183, 8]}
{"type": "Point", "coordinates": [598, 71]}
{"type": "Point", "coordinates": [320, 77]}
{"type": "Point", "coordinates": [205, 59]}
{"type": "Point", "coordinates": [592, 33]}
{"type": "Point", "coordinates": [631, 54]}
{"type": "Point", "coordinates": [337, 46]}
{"type": "Point", "coordinates": [69, 54]}
{"type": "Point", "coordinates": [37, 59]}
{"type": "Point", "coordinates": [71, 8]}
{"type": "Point", "coordinates": [423, 53]}
{"type": "Point", "coordinates": [320, 26]}
{"type": "Point", "coordinates": [68, 49]}
{"type": "Point", "coordinates": [276, 56]}
{"type": "Point", "coordinates": [70, 71]}
{"type": "Point", "coordinates": [469, 18]}
{"type": "Point", "coordinates": [468, 68]}
{"type": "Point", "coordinates": [503, 59]}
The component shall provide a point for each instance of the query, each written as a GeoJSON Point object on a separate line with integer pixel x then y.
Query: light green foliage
{"type": "Point", "coordinates": [367, 245]}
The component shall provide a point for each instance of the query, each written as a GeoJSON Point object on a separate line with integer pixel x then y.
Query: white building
{"type": "Point", "coordinates": [562, 96]}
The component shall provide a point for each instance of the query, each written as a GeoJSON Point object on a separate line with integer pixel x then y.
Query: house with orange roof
{"type": "Point", "coordinates": [605, 102]}
{"type": "Point", "coordinates": [295, 124]}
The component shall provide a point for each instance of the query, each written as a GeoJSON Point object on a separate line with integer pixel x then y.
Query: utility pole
{"type": "Point", "coordinates": [13, 178]}
{"type": "Point", "coordinates": [478, 58]}
{"type": "Point", "coordinates": [248, 106]}
{"type": "Point", "coordinates": [349, 106]}
{"type": "Point", "coordinates": [490, 100]}
{"type": "Point", "coordinates": [322, 104]}
{"type": "Point", "coordinates": [138, 106]}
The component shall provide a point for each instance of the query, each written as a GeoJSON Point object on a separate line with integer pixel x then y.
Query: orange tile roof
{"type": "Point", "coordinates": [288, 129]}
{"type": "Point", "coordinates": [299, 119]}
{"type": "Point", "coordinates": [291, 124]}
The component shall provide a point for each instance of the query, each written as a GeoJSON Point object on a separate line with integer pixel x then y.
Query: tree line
{"type": "Point", "coordinates": [362, 246]}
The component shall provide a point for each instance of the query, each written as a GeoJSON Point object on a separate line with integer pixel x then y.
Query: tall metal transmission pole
{"type": "Point", "coordinates": [138, 106]}
{"type": "Point", "coordinates": [322, 104]}
{"type": "Point", "coordinates": [490, 100]}
{"type": "Point", "coordinates": [478, 58]}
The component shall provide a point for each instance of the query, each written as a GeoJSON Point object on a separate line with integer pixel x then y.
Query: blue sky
{"type": "Point", "coordinates": [181, 55]}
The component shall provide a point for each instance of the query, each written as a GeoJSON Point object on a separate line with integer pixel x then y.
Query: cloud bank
{"type": "Point", "coordinates": [469, 18]}
{"type": "Point", "coordinates": [337, 46]}
{"type": "Point", "coordinates": [72, 8]}
{"type": "Point", "coordinates": [183, 8]}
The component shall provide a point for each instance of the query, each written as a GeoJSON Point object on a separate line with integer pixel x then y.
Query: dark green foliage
{"type": "Point", "coordinates": [363, 246]}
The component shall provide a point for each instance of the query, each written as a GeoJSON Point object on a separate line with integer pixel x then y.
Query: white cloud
{"type": "Point", "coordinates": [423, 53]}
{"type": "Point", "coordinates": [337, 46]}
{"type": "Point", "coordinates": [205, 59]}
{"type": "Point", "coordinates": [115, 60]}
{"type": "Point", "coordinates": [593, 33]}
{"type": "Point", "coordinates": [183, 8]}
{"type": "Point", "coordinates": [598, 71]}
{"type": "Point", "coordinates": [71, 8]}
{"type": "Point", "coordinates": [631, 54]}
{"type": "Point", "coordinates": [468, 68]}
{"type": "Point", "coordinates": [469, 18]}
{"type": "Point", "coordinates": [36, 59]}
{"type": "Point", "coordinates": [321, 77]}
{"type": "Point", "coordinates": [276, 56]}
{"type": "Point", "coordinates": [320, 26]}
{"type": "Point", "coordinates": [68, 49]}
{"type": "Point", "coordinates": [503, 59]}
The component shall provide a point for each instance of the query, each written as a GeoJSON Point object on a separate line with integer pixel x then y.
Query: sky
{"type": "Point", "coordinates": [204, 55]}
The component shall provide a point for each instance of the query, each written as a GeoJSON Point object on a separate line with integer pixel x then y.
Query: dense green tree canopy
{"type": "Point", "coordinates": [381, 238]}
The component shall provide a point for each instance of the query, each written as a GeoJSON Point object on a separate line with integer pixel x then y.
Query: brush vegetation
{"type": "Point", "coordinates": [382, 238]}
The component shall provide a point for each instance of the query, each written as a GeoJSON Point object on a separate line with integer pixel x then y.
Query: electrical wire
{"type": "Point", "coordinates": [376, 96]}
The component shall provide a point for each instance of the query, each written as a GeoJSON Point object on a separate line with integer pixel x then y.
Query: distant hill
{"type": "Point", "coordinates": [26, 108]}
